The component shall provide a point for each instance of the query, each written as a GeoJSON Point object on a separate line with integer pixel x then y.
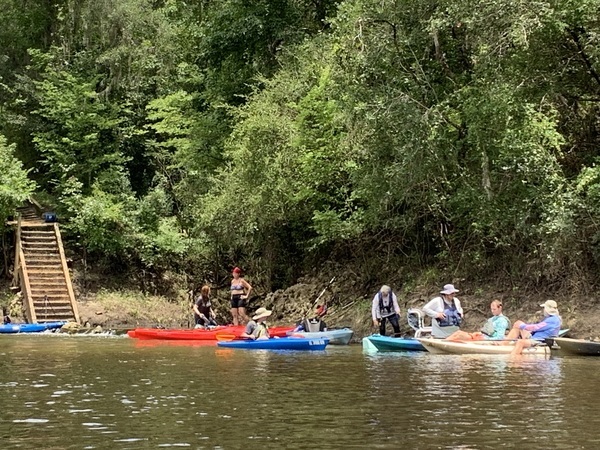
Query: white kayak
{"type": "Point", "coordinates": [442, 346]}
{"type": "Point", "coordinates": [336, 337]}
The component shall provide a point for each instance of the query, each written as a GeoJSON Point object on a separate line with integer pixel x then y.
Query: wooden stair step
{"type": "Point", "coordinates": [36, 261]}
{"type": "Point", "coordinates": [51, 294]}
{"type": "Point", "coordinates": [48, 283]}
{"type": "Point", "coordinates": [40, 239]}
{"type": "Point", "coordinates": [56, 317]}
{"type": "Point", "coordinates": [42, 257]}
{"type": "Point", "coordinates": [45, 245]}
{"type": "Point", "coordinates": [44, 267]}
{"type": "Point", "coordinates": [35, 224]}
{"type": "Point", "coordinates": [41, 252]}
{"type": "Point", "coordinates": [30, 244]}
{"type": "Point", "coordinates": [51, 300]}
{"type": "Point", "coordinates": [58, 307]}
{"type": "Point", "coordinates": [37, 271]}
{"type": "Point", "coordinates": [54, 305]}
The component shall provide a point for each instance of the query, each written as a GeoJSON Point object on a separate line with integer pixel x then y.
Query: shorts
{"type": "Point", "coordinates": [237, 301]}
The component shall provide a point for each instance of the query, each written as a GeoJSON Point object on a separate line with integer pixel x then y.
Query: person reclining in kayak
{"type": "Point", "coordinates": [532, 334]}
{"type": "Point", "coordinates": [315, 324]}
{"type": "Point", "coordinates": [495, 327]}
{"type": "Point", "coordinates": [257, 328]}
{"type": "Point", "coordinates": [445, 312]}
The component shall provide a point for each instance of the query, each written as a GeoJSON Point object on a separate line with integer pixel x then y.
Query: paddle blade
{"type": "Point", "coordinates": [225, 337]}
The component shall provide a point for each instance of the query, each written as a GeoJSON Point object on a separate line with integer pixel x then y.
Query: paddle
{"type": "Point", "coordinates": [319, 296]}
{"type": "Point", "coordinates": [226, 337]}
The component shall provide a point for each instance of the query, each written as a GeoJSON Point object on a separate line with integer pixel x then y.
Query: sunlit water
{"type": "Point", "coordinates": [105, 393]}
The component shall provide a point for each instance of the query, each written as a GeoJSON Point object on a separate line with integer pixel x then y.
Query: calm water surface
{"type": "Point", "coordinates": [118, 393]}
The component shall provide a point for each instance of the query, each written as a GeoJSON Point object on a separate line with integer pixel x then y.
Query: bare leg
{"type": "Point", "coordinates": [242, 315]}
{"type": "Point", "coordinates": [234, 316]}
{"type": "Point", "coordinates": [520, 345]}
{"type": "Point", "coordinates": [515, 332]}
{"type": "Point", "coordinates": [460, 336]}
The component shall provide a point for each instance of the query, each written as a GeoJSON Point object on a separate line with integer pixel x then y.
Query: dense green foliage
{"type": "Point", "coordinates": [15, 187]}
{"type": "Point", "coordinates": [280, 133]}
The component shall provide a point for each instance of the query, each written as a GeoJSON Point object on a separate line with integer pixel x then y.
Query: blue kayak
{"type": "Point", "coordinates": [30, 327]}
{"type": "Point", "coordinates": [290, 343]}
{"type": "Point", "coordinates": [379, 343]}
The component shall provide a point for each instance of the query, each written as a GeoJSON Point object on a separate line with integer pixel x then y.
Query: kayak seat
{"type": "Point", "coordinates": [314, 325]}
{"type": "Point", "coordinates": [416, 320]}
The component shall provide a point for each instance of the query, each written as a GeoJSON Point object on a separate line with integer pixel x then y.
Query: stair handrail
{"type": "Point", "coordinates": [65, 269]}
{"type": "Point", "coordinates": [15, 281]}
{"type": "Point", "coordinates": [27, 288]}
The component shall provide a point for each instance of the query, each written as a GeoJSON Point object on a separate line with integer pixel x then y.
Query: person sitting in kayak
{"type": "Point", "coordinates": [257, 328]}
{"type": "Point", "coordinates": [495, 327]}
{"type": "Point", "coordinates": [316, 323]}
{"type": "Point", "coordinates": [532, 334]}
{"type": "Point", "coordinates": [204, 316]}
{"type": "Point", "coordinates": [385, 308]}
{"type": "Point", "coordinates": [445, 312]}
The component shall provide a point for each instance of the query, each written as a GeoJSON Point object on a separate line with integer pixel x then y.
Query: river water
{"type": "Point", "coordinates": [62, 392]}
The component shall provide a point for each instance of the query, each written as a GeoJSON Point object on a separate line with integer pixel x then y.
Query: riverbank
{"type": "Point", "coordinates": [349, 305]}
{"type": "Point", "coordinates": [348, 300]}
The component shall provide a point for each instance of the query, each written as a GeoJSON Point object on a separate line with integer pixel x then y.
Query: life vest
{"type": "Point", "coordinates": [261, 330]}
{"type": "Point", "coordinates": [453, 318]}
{"type": "Point", "coordinates": [388, 310]}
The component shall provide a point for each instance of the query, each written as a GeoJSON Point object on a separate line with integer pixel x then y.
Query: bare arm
{"type": "Point", "coordinates": [196, 310]}
{"type": "Point", "coordinates": [428, 309]}
{"type": "Point", "coordinates": [248, 287]}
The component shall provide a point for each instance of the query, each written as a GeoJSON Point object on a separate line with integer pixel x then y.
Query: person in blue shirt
{"type": "Point", "coordinates": [495, 328]}
{"type": "Point", "coordinates": [533, 333]}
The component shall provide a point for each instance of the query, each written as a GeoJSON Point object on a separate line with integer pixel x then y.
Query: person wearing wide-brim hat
{"type": "Point", "coordinates": [445, 311]}
{"type": "Point", "coordinates": [257, 328]}
{"type": "Point", "coordinates": [531, 334]}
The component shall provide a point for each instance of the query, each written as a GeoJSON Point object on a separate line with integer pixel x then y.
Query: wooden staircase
{"type": "Point", "coordinates": [41, 270]}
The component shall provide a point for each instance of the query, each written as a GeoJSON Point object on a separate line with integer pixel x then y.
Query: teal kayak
{"type": "Point", "coordinates": [30, 327]}
{"type": "Point", "coordinates": [379, 343]}
{"type": "Point", "coordinates": [290, 343]}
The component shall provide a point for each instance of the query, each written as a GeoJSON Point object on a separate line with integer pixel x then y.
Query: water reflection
{"type": "Point", "coordinates": [118, 394]}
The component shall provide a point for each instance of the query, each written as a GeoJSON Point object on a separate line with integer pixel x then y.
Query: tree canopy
{"type": "Point", "coordinates": [283, 133]}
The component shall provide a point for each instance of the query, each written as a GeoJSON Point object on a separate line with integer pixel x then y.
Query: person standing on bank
{"type": "Point", "coordinates": [445, 312]}
{"type": "Point", "coordinates": [385, 308]}
{"type": "Point", "coordinates": [240, 292]}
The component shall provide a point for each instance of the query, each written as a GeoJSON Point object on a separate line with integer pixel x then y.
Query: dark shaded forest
{"type": "Point", "coordinates": [285, 135]}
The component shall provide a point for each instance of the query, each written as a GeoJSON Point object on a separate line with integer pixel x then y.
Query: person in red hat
{"type": "Point", "coordinates": [240, 292]}
{"type": "Point", "coordinates": [314, 324]}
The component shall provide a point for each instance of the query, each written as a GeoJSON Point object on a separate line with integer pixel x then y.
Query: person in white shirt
{"type": "Point", "coordinates": [385, 309]}
{"type": "Point", "coordinates": [445, 312]}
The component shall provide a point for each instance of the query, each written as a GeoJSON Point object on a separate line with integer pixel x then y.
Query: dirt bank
{"type": "Point", "coordinates": [348, 301]}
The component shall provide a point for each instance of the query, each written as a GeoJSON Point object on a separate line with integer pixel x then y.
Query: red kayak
{"type": "Point", "coordinates": [199, 334]}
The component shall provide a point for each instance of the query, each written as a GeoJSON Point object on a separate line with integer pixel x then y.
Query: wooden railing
{"type": "Point", "coordinates": [65, 269]}
{"type": "Point", "coordinates": [26, 288]}
{"type": "Point", "coordinates": [16, 269]}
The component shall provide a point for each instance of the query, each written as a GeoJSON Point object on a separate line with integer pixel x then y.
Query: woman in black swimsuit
{"type": "Point", "coordinates": [240, 291]}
